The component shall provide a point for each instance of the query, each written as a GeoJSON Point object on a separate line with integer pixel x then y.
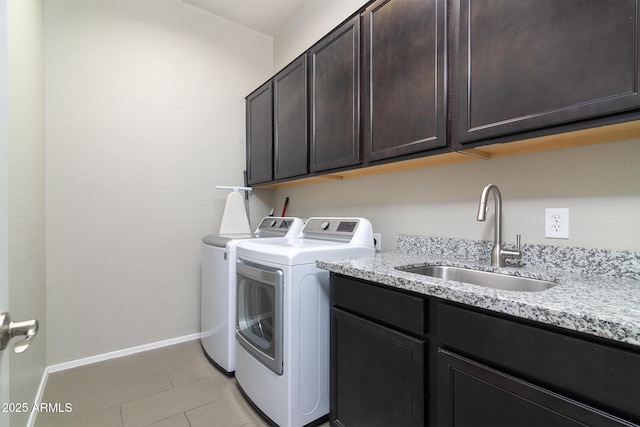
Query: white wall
{"type": "Point", "coordinates": [599, 184]}
{"type": "Point", "coordinates": [22, 147]}
{"type": "Point", "coordinates": [145, 114]}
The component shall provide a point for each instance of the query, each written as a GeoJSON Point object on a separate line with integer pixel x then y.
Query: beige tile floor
{"type": "Point", "coordinates": [173, 386]}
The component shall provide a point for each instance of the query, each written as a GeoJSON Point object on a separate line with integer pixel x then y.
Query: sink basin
{"type": "Point", "coordinates": [482, 278]}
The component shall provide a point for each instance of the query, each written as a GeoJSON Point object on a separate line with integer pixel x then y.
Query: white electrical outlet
{"type": "Point", "coordinates": [556, 223]}
{"type": "Point", "coordinates": [377, 242]}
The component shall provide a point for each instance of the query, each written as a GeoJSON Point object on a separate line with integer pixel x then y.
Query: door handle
{"type": "Point", "coordinates": [27, 329]}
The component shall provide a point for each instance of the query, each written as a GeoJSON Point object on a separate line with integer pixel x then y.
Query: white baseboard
{"type": "Point", "coordinates": [99, 358]}
{"type": "Point", "coordinates": [120, 353]}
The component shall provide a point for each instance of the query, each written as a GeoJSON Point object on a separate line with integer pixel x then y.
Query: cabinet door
{"type": "Point", "coordinates": [334, 64]}
{"type": "Point", "coordinates": [530, 64]}
{"type": "Point", "coordinates": [600, 374]}
{"type": "Point", "coordinates": [290, 120]}
{"type": "Point", "coordinates": [260, 135]}
{"type": "Point", "coordinates": [472, 394]}
{"type": "Point", "coordinates": [405, 63]}
{"type": "Point", "coordinates": [377, 374]}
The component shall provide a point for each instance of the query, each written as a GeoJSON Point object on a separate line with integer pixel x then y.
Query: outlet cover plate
{"type": "Point", "coordinates": [556, 223]}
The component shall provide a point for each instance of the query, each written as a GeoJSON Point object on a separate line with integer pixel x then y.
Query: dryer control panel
{"type": "Point", "coordinates": [353, 230]}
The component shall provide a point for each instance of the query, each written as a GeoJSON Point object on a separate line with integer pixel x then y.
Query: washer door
{"type": "Point", "coordinates": [259, 312]}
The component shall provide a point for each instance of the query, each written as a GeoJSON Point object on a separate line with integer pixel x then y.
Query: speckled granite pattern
{"type": "Point", "coordinates": [599, 262]}
{"type": "Point", "coordinates": [607, 307]}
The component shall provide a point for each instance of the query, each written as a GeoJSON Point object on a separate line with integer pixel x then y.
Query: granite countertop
{"type": "Point", "coordinates": [607, 307]}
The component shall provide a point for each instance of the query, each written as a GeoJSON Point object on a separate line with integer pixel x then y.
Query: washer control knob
{"type": "Point", "coordinates": [325, 225]}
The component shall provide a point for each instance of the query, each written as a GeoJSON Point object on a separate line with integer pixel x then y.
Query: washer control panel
{"type": "Point", "coordinates": [331, 228]}
{"type": "Point", "coordinates": [279, 226]}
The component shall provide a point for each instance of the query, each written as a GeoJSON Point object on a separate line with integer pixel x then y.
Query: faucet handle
{"type": "Point", "coordinates": [518, 251]}
{"type": "Point", "coordinates": [517, 254]}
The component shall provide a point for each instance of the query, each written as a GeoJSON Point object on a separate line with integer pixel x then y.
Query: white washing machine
{"type": "Point", "coordinates": [218, 286]}
{"type": "Point", "coordinates": [282, 328]}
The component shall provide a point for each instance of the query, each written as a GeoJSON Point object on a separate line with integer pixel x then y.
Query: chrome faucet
{"type": "Point", "coordinates": [498, 254]}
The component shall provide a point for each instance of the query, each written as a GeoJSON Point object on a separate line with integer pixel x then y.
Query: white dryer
{"type": "Point", "coordinates": [218, 286]}
{"type": "Point", "coordinates": [282, 328]}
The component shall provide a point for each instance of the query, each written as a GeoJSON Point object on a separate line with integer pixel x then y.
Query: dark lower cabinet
{"type": "Point", "coordinates": [334, 84]}
{"type": "Point", "coordinates": [471, 394]}
{"type": "Point", "coordinates": [402, 359]}
{"type": "Point", "coordinates": [376, 374]}
{"type": "Point", "coordinates": [533, 64]}
{"type": "Point", "coordinates": [377, 366]}
{"type": "Point", "coordinates": [579, 368]}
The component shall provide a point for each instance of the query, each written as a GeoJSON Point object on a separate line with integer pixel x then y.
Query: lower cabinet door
{"type": "Point", "coordinates": [471, 394]}
{"type": "Point", "coordinates": [377, 374]}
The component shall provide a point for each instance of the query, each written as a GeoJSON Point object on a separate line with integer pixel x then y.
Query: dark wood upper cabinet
{"type": "Point", "coordinates": [530, 64]}
{"type": "Point", "coordinates": [290, 136]}
{"type": "Point", "coordinates": [334, 79]}
{"type": "Point", "coordinates": [405, 85]}
{"type": "Point", "coordinates": [260, 135]}
{"type": "Point", "coordinates": [402, 79]}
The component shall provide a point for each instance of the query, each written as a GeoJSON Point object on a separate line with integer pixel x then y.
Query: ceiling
{"type": "Point", "coordinates": [265, 16]}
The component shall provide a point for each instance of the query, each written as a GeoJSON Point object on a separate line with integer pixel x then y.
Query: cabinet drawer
{"type": "Point", "coordinates": [399, 310]}
{"type": "Point", "coordinates": [598, 374]}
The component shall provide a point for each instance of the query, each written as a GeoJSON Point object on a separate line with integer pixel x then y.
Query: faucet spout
{"type": "Point", "coordinates": [482, 208]}
{"type": "Point", "coordinates": [482, 211]}
{"type": "Point", "coordinates": [498, 254]}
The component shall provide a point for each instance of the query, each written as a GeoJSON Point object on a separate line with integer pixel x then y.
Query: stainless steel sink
{"type": "Point", "coordinates": [482, 278]}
